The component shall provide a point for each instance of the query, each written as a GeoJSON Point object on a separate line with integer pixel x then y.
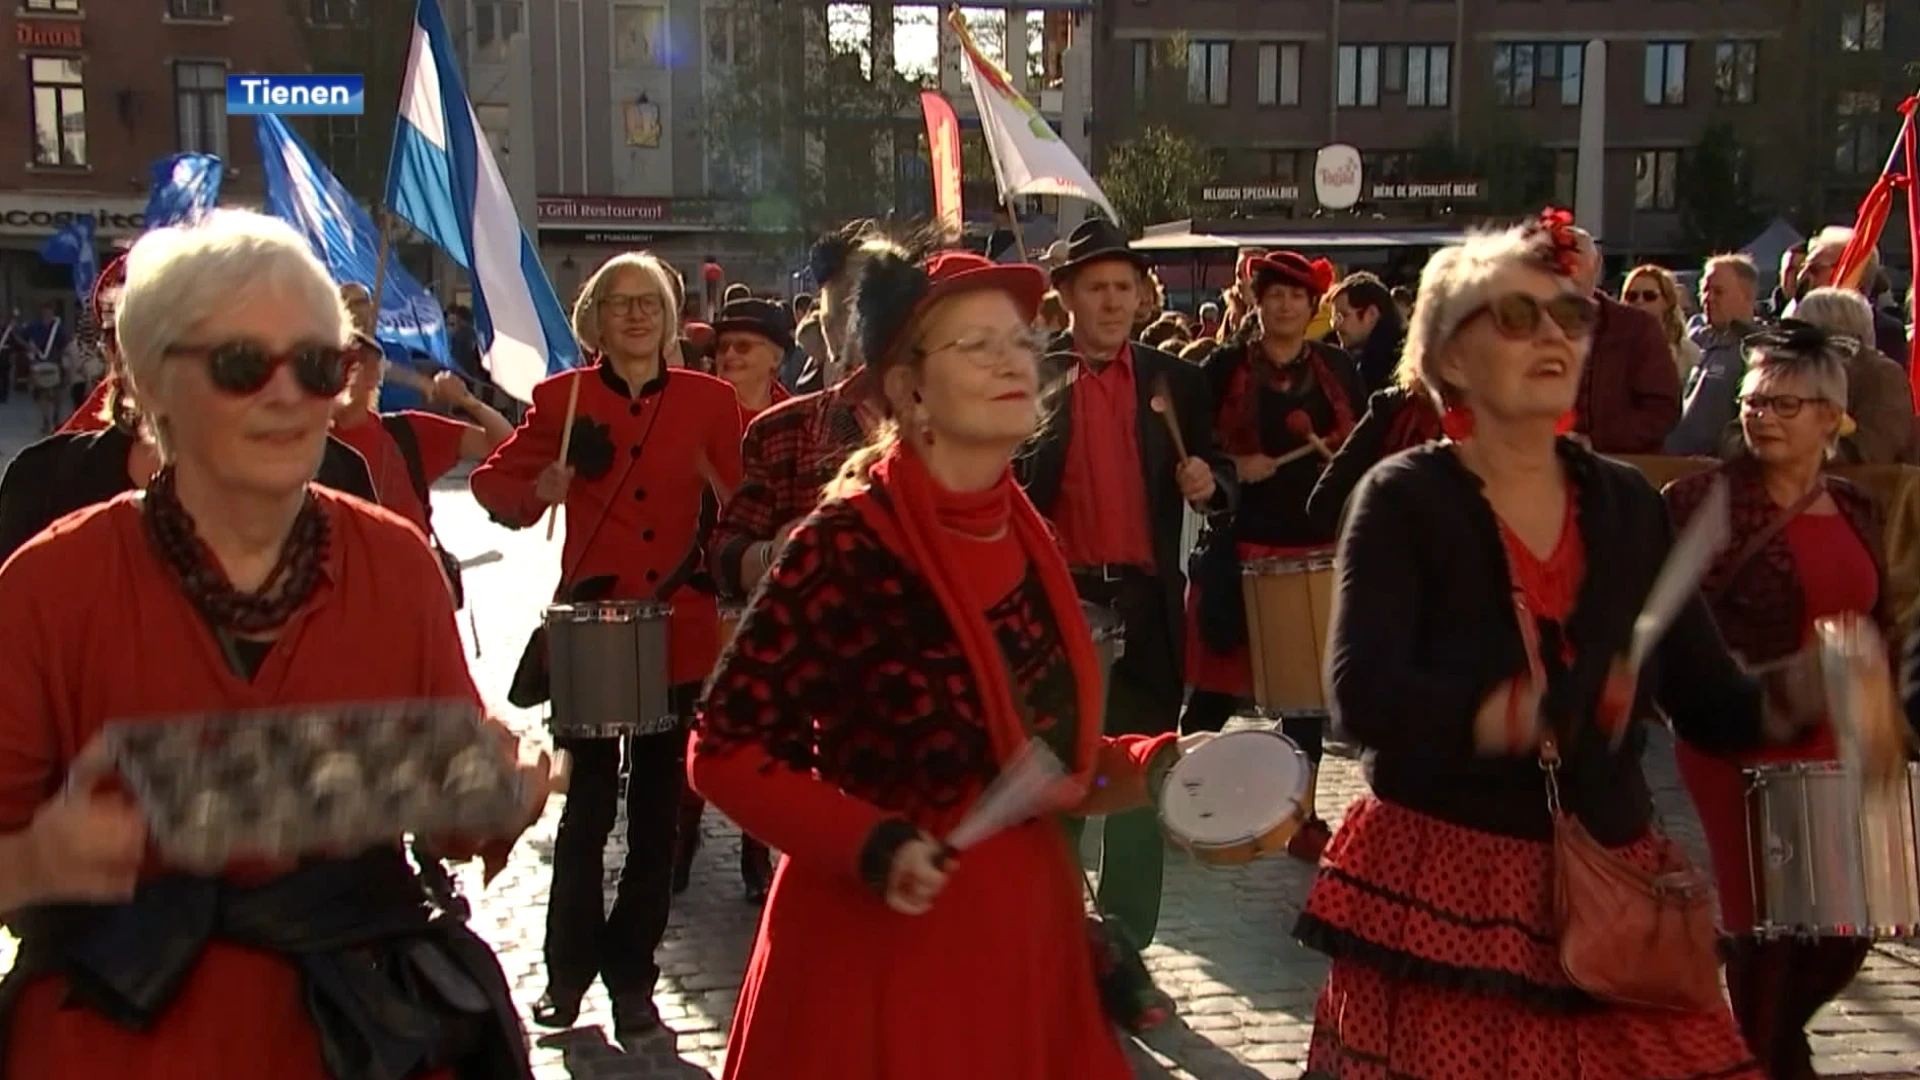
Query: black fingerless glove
{"type": "Point", "coordinates": [876, 855]}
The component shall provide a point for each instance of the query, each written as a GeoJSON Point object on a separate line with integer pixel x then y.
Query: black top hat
{"type": "Point", "coordinates": [1095, 240]}
{"type": "Point", "coordinates": [754, 316]}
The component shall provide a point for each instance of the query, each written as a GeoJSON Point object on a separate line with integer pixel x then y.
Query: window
{"type": "Point", "coordinates": [1359, 83]}
{"type": "Point", "coordinates": [730, 37]}
{"type": "Point", "coordinates": [1393, 69]}
{"type": "Point", "coordinates": [495, 23]}
{"type": "Point", "coordinates": [194, 9]}
{"type": "Point", "coordinates": [1513, 74]}
{"type": "Point", "coordinates": [1863, 26]}
{"type": "Point", "coordinates": [59, 111]}
{"type": "Point", "coordinates": [200, 96]}
{"type": "Point", "coordinates": [1858, 146]}
{"type": "Point", "coordinates": [1429, 76]}
{"type": "Point", "coordinates": [52, 5]}
{"type": "Point", "coordinates": [1666, 74]}
{"type": "Point", "coordinates": [1735, 68]}
{"type": "Point", "coordinates": [1656, 179]}
{"type": "Point", "coordinates": [331, 12]}
{"type": "Point", "coordinates": [1207, 72]}
{"type": "Point", "coordinates": [1570, 62]}
{"type": "Point", "coordinates": [1142, 63]}
{"type": "Point", "coordinates": [639, 36]}
{"type": "Point", "coordinates": [1279, 74]}
{"type": "Point", "coordinates": [340, 144]}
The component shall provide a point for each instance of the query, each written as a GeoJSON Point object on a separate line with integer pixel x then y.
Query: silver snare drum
{"type": "Point", "coordinates": [1830, 857]}
{"type": "Point", "coordinates": [608, 661]}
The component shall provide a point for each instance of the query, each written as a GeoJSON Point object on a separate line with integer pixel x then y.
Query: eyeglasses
{"type": "Point", "coordinates": [624, 304]}
{"type": "Point", "coordinates": [743, 345]}
{"type": "Point", "coordinates": [1784, 406]}
{"type": "Point", "coordinates": [1641, 296]}
{"type": "Point", "coordinates": [984, 348]}
{"type": "Point", "coordinates": [244, 367]}
{"type": "Point", "coordinates": [1518, 315]}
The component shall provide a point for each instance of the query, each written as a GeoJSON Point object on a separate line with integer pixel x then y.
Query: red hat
{"type": "Point", "coordinates": [113, 278]}
{"type": "Point", "coordinates": [1290, 268]}
{"type": "Point", "coordinates": [894, 291]}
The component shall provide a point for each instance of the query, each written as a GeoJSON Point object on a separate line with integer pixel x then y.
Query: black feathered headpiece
{"type": "Point", "coordinates": [1800, 337]}
{"type": "Point", "coordinates": [828, 257]}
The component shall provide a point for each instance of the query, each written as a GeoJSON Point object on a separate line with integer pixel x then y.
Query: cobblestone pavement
{"type": "Point", "coordinates": [1245, 990]}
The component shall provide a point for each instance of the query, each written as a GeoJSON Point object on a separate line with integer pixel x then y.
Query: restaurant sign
{"type": "Point", "coordinates": [1243, 194]}
{"type": "Point", "coordinates": [1410, 190]}
{"type": "Point", "coordinates": [608, 213]}
{"type": "Point", "coordinates": [60, 35]}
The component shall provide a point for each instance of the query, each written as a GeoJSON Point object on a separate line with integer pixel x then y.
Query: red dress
{"type": "Point", "coordinates": [1837, 577]}
{"type": "Point", "coordinates": [97, 628]}
{"type": "Point", "coordinates": [439, 439]}
{"type": "Point", "coordinates": [1447, 964]}
{"type": "Point", "coordinates": [845, 700]}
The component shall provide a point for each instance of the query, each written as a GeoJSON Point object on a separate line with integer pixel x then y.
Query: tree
{"type": "Point", "coordinates": [1150, 178]}
{"type": "Point", "coordinates": [1715, 212]}
{"type": "Point", "coordinates": [373, 41]}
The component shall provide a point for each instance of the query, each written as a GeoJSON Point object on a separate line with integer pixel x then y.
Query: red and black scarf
{"type": "Point", "coordinates": [1239, 410]}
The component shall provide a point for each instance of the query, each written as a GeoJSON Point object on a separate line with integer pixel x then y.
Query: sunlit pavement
{"type": "Point", "coordinates": [1244, 988]}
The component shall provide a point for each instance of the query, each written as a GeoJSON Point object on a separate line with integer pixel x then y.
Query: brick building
{"type": "Point", "coordinates": [1430, 89]}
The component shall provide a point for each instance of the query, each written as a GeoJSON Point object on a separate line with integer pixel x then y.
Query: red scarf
{"type": "Point", "coordinates": [930, 550]}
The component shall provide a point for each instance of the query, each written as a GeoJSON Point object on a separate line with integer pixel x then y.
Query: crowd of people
{"type": "Point", "coordinates": [875, 522]}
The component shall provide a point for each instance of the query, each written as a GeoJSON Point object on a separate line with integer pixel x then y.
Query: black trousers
{"type": "Point", "coordinates": [1209, 710]}
{"type": "Point", "coordinates": [1143, 698]}
{"type": "Point", "coordinates": [583, 939]}
{"type": "Point", "coordinates": [1776, 987]}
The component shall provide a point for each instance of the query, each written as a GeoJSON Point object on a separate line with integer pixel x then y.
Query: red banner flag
{"type": "Point", "coordinates": [943, 153]}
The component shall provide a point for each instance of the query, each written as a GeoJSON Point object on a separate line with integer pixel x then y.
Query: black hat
{"type": "Point", "coordinates": [753, 316]}
{"type": "Point", "coordinates": [1094, 240]}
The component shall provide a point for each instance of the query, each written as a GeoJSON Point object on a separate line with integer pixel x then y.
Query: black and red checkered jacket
{"type": "Point", "coordinates": [788, 454]}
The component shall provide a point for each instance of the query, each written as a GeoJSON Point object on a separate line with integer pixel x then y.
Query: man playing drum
{"type": "Point", "coordinates": [1282, 403]}
{"type": "Point", "coordinates": [640, 441]}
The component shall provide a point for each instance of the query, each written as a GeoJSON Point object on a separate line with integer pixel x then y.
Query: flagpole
{"type": "Point", "coordinates": [566, 445]}
{"type": "Point", "coordinates": [1019, 236]}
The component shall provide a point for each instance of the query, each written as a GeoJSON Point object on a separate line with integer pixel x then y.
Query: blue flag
{"type": "Point", "coordinates": [301, 191]}
{"type": "Point", "coordinates": [442, 179]}
{"type": "Point", "coordinates": [185, 186]}
{"type": "Point", "coordinates": [73, 246]}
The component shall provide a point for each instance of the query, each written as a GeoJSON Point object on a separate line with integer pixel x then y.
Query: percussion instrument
{"type": "Point", "coordinates": [1237, 797]}
{"type": "Point", "coordinates": [283, 783]}
{"type": "Point", "coordinates": [1289, 602]}
{"type": "Point", "coordinates": [608, 665]}
{"type": "Point", "coordinates": [1831, 857]}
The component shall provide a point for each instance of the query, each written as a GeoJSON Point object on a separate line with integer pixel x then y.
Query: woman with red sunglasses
{"type": "Point", "coordinates": [1488, 588]}
{"type": "Point", "coordinates": [232, 583]}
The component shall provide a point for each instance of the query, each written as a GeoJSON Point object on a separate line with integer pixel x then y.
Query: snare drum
{"type": "Point", "coordinates": [608, 662]}
{"type": "Point", "coordinates": [1831, 857]}
{"type": "Point", "coordinates": [1237, 797]}
{"type": "Point", "coordinates": [1289, 603]}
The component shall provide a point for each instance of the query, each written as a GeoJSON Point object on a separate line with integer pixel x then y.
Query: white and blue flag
{"type": "Point", "coordinates": [442, 180]}
{"type": "Point", "coordinates": [304, 193]}
{"type": "Point", "coordinates": [73, 245]}
{"type": "Point", "coordinates": [185, 186]}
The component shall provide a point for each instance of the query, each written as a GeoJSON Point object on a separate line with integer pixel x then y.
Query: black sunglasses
{"type": "Point", "coordinates": [244, 367]}
{"type": "Point", "coordinates": [1641, 296]}
{"type": "Point", "coordinates": [1518, 315]}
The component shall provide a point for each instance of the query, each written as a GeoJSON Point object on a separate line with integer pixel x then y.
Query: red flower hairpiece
{"type": "Point", "coordinates": [1322, 272]}
{"type": "Point", "coordinates": [1558, 243]}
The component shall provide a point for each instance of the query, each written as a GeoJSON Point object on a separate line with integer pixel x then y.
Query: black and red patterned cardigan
{"type": "Point", "coordinates": [1759, 606]}
{"type": "Point", "coordinates": [845, 669]}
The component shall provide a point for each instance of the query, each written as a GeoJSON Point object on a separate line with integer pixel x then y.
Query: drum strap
{"type": "Point", "coordinates": [1756, 543]}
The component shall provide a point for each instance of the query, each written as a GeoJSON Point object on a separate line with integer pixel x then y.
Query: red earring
{"type": "Point", "coordinates": [1457, 423]}
{"type": "Point", "coordinates": [1564, 426]}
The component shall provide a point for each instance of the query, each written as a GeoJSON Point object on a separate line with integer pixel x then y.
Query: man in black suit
{"type": "Point", "coordinates": [1105, 469]}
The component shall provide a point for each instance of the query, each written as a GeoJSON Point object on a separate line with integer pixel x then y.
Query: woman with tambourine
{"type": "Point", "coordinates": [917, 635]}
{"type": "Point", "coordinates": [1803, 546]}
{"type": "Point", "coordinates": [1488, 593]}
{"type": "Point", "coordinates": [1282, 403]}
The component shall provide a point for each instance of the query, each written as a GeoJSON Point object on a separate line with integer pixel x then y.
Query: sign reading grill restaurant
{"type": "Point", "coordinates": [1249, 193]}
{"type": "Point", "coordinates": [1404, 191]}
{"type": "Point", "coordinates": [583, 211]}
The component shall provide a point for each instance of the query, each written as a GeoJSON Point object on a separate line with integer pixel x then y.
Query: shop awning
{"type": "Point", "coordinates": [1179, 236]}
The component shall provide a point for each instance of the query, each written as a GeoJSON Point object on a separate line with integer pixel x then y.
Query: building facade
{"type": "Point", "coordinates": [102, 88]}
{"type": "Point", "coordinates": [1491, 95]}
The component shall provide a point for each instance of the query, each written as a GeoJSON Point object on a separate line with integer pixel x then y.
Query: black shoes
{"type": "Point", "coordinates": [558, 1008]}
{"type": "Point", "coordinates": [635, 1019]}
{"type": "Point", "coordinates": [756, 870]}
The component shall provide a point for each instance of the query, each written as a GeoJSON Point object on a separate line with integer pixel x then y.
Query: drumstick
{"type": "Point", "coordinates": [1162, 403]}
{"type": "Point", "coordinates": [566, 446]}
{"type": "Point", "coordinates": [712, 478]}
{"type": "Point", "coordinates": [1302, 426]}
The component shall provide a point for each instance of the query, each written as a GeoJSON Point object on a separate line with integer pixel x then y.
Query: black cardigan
{"type": "Point", "coordinates": [1424, 628]}
{"type": "Point", "coordinates": [64, 473]}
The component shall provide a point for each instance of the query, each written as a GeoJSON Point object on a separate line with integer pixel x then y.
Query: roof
{"type": "Point", "coordinates": [1180, 236]}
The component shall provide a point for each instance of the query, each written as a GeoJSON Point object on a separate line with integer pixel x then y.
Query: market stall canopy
{"type": "Point", "coordinates": [1182, 236]}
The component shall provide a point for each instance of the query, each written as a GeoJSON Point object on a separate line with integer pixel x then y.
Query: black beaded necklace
{"type": "Point", "coordinates": [228, 609]}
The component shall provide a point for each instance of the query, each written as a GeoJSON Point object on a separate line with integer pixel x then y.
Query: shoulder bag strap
{"type": "Point", "coordinates": [1765, 536]}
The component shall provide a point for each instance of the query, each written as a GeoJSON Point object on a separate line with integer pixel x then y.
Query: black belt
{"type": "Point", "coordinates": [1111, 573]}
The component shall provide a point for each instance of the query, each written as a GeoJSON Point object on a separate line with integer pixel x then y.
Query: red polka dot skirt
{"type": "Point", "coordinates": [1446, 967]}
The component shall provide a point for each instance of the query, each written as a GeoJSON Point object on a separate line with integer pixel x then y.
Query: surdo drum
{"type": "Point", "coordinates": [1289, 604]}
{"type": "Point", "coordinates": [608, 663]}
{"type": "Point", "coordinates": [1831, 856]}
{"type": "Point", "coordinates": [1236, 797]}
